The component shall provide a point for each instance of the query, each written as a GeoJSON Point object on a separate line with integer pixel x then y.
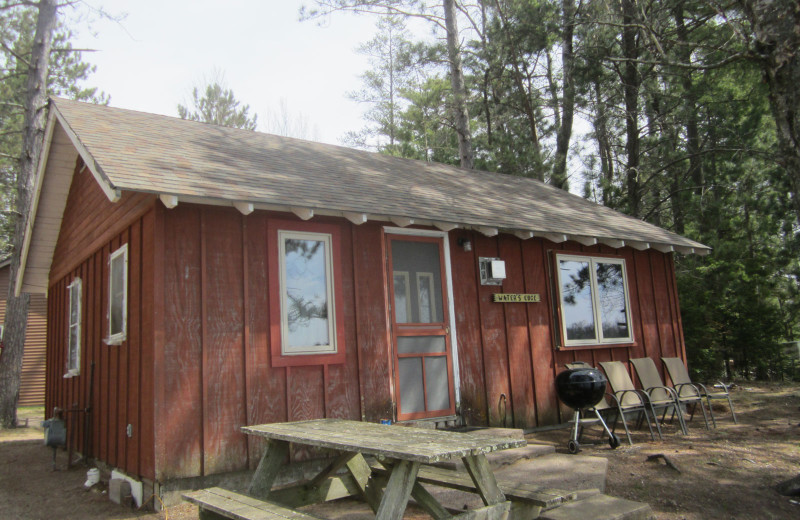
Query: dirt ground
{"type": "Point", "coordinates": [726, 473]}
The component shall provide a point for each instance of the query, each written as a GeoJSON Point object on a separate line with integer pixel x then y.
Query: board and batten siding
{"type": "Point", "coordinates": [32, 377]}
{"type": "Point", "coordinates": [215, 364]}
{"type": "Point", "coordinates": [196, 365]}
{"type": "Point", "coordinates": [119, 390]}
{"type": "Point", "coordinates": [508, 358]}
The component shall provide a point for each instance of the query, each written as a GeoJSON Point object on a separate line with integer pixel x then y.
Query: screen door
{"type": "Point", "coordinates": [420, 328]}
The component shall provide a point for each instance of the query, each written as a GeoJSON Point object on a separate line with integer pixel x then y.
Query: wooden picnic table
{"type": "Point", "coordinates": [401, 450]}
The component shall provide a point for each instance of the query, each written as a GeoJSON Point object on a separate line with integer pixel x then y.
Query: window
{"type": "Point", "coordinates": [74, 329]}
{"type": "Point", "coordinates": [117, 296]}
{"type": "Point", "coordinates": [593, 300]}
{"type": "Point", "coordinates": [305, 283]}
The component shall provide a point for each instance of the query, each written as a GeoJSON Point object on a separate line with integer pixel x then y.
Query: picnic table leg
{"type": "Point", "coordinates": [481, 473]}
{"type": "Point", "coordinates": [398, 490]}
{"type": "Point", "coordinates": [268, 468]}
{"type": "Point", "coordinates": [362, 474]}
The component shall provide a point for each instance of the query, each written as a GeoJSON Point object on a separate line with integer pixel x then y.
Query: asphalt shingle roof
{"type": "Point", "coordinates": [144, 152]}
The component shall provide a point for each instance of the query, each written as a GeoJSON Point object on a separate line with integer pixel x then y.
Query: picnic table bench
{"type": "Point", "coordinates": [405, 454]}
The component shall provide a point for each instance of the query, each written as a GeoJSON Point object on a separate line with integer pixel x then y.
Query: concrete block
{"type": "Point", "coordinates": [119, 490]}
{"type": "Point", "coordinates": [600, 507]}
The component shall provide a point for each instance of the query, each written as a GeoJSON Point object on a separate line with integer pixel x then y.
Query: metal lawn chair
{"type": "Point", "coordinates": [685, 388]}
{"type": "Point", "coordinates": [658, 392]}
{"type": "Point", "coordinates": [628, 398]}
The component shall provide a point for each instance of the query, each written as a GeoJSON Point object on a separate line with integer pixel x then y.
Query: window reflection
{"type": "Point", "coordinates": [611, 297]}
{"type": "Point", "coordinates": [576, 300]}
{"type": "Point", "coordinates": [306, 298]}
{"type": "Point", "coordinates": [594, 300]}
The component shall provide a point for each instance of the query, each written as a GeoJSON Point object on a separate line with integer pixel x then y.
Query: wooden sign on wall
{"type": "Point", "coordinates": [516, 298]}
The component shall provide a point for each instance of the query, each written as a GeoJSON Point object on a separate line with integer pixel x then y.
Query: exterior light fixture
{"type": "Point", "coordinates": [465, 244]}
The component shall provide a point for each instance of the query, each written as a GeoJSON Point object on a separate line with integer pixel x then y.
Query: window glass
{"type": "Point", "coordinates": [576, 299]}
{"type": "Point", "coordinates": [74, 334]}
{"type": "Point", "coordinates": [611, 300]}
{"type": "Point", "coordinates": [117, 293]}
{"type": "Point", "coordinates": [402, 303]}
{"type": "Point", "coordinates": [306, 293]}
{"type": "Point", "coordinates": [419, 284]}
{"type": "Point", "coordinates": [594, 300]}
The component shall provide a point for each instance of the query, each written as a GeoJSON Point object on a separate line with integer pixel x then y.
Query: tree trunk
{"type": "Point", "coordinates": [559, 177]}
{"type": "Point", "coordinates": [603, 146]}
{"type": "Point", "coordinates": [460, 112]}
{"type": "Point", "coordinates": [33, 131]}
{"type": "Point", "coordinates": [630, 81]}
{"type": "Point", "coordinates": [690, 116]}
{"type": "Point", "coordinates": [776, 33]}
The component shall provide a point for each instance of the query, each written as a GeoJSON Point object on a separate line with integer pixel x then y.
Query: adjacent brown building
{"type": "Point", "coordinates": [215, 277]}
{"type": "Point", "coordinates": [32, 377]}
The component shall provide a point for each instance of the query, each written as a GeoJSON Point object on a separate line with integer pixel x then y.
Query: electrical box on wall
{"type": "Point", "coordinates": [493, 270]}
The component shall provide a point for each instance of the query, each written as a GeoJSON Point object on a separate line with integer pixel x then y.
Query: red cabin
{"type": "Point", "coordinates": [202, 278]}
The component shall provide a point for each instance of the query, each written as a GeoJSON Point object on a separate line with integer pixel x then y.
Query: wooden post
{"type": "Point", "coordinates": [268, 468]}
{"type": "Point", "coordinates": [481, 473]}
{"type": "Point", "coordinates": [398, 490]}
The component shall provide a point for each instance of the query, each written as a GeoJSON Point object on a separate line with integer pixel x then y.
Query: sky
{"type": "Point", "coordinates": [151, 59]}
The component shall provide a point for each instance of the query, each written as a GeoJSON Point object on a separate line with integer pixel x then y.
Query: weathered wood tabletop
{"type": "Point", "coordinates": [401, 449]}
{"type": "Point", "coordinates": [380, 440]}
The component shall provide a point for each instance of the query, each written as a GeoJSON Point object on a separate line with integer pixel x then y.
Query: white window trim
{"type": "Point", "coordinates": [76, 285]}
{"type": "Point", "coordinates": [599, 340]}
{"type": "Point", "coordinates": [119, 337]}
{"type": "Point", "coordinates": [332, 347]}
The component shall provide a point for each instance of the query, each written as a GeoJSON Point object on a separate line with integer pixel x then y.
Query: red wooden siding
{"type": "Point", "coordinates": [515, 355]}
{"type": "Point", "coordinates": [197, 362]}
{"type": "Point", "coordinates": [32, 377]}
{"type": "Point", "coordinates": [215, 368]}
{"type": "Point", "coordinates": [91, 221]}
{"type": "Point", "coordinates": [121, 376]}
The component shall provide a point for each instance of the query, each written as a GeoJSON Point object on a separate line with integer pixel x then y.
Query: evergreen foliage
{"type": "Point", "coordinates": [689, 121]}
{"type": "Point", "coordinates": [218, 105]}
{"type": "Point", "coordinates": [66, 79]}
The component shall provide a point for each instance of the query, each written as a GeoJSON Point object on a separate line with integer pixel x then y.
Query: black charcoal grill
{"type": "Point", "coordinates": [582, 388]}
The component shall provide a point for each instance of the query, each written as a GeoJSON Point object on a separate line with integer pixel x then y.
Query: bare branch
{"type": "Point", "coordinates": [372, 8]}
{"type": "Point", "coordinates": [710, 66]}
{"type": "Point", "coordinates": [11, 52]}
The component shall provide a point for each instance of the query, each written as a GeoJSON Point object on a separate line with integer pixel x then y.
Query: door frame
{"type": "Point", "coordinates": [448, 279]}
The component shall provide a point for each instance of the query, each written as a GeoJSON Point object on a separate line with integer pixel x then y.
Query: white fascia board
{"type": "Point", "coordinates": [487, 231]}
{"type": "Point", "coordinates": [170, 201]}
{"type": "Point", "coordinates": [555, 237]}
{"type": "Point", "coordinates": [34, 207]}
{"type": "Point", "coordinates": [613, 242]}
{"type": "Point", "coordinates": [638, 245]}
{"type": "Point", "coordinates": [445, 226]}
{"type": "Point", "coordinates": [355, 218]}
{"type": "Point", "coordinates": [523, 235]}
{"type": "Point", "coordinates": [245, 208]}
{"type": "Point", "coordinates": [109, 190]}
{"type": "Point", "coordinates": [584, 240]}
{"type": "Point", "coordinates": [303, 213]}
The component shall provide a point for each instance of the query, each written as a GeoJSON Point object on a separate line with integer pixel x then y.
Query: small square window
{"type": "Point", "coordinates": [74, 329]}
{"type": "Point", "coordinates": [118, 296]}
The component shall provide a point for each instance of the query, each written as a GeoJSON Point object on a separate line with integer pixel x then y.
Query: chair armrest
{"type": "Point", "coordinates": [679, 388]}
{"type": "Point", "coordinates": [670, 391]}
{"type": "Point", "coordinates": [702, 387]}
{"type": "Point", "coordinates": [622, 393]}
